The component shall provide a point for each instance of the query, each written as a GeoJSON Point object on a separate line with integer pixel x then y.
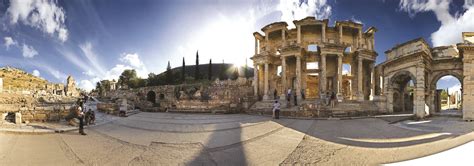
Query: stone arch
{"type": "Point", "coordinates": [402, 100]}
{"type": "Point", "coordinates": [401, 74]}
{"type": "Point", "coordinates": [439, 75]}
{"type": "Point", "coordinates": [151, 96]}
{"type": "Point", "coordinates": [434, 103]}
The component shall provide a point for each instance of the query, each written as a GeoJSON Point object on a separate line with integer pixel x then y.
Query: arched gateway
{"type": "Point", "coordinates": [416, 61]}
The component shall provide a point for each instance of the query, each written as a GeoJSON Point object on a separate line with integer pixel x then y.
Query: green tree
{"type": "Point", "coordinates": [152, 80]}
{"type": "Point", "coordinates": [223, 71]}
{"type": "Point", "coordinates": [98, 87]}
{"type": "Point", "coordinates": [235, 74]}
{"type": "Point", "coordinates": [126, 77]}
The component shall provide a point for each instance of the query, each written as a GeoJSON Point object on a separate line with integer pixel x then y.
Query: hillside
{"type": "Point", "coordinates": [18, 79]}
{"type": "Point", "coordinates": [217, 70]}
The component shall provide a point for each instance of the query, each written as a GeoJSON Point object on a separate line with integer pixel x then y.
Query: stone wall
{"type": "Point", "coordinates": [201, 97]}
{"type": "Point", "coordinates": [34, 109]}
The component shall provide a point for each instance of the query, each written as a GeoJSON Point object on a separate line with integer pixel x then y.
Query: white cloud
{"type": "Point", "coordinates": [356, 20]}
{"type": "Point", "coordinates": [451, 26]}
{"type": "Point", "coordinates": [132, 59]}
{"type": "Point", "coordinates": [36, 73]}
{"type": "Point", "coordinates": [89, 73]}
{"type": "Point", "coordinates": [87, 85]}
{"type": "Point", "coordinates": [455, 88]}
{"type": "Point", "coordinates": [28, 51]}
{"type": "Point", "coordinates": [8, 41]}
{"type": "Point", "coordinates": [44, 15]}
{"type": "Point", "coordinates": [129, 61]}
{"type": "Point", "coordinates": [90, 54]}
{"type": "Point", "coordinates": [448, 77]}
{"type": "Point", "coordinates": [299, 9]}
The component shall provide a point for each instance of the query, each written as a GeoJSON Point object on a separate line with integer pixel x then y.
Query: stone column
{"type": "Point", "coordinates": [256, 46]}
{"type": "Point", "coordinates": [323, 33]}
{"type": "Point", "coordinates": [299, 34]}
{"type": "Point", "coordinates": [283, 38]}
{"type": "Point", "coordinates": [359, 80]}
{"type": "Point", "coordinates": [255, 80]}
{"type": "Point", "coordinates": [323, 74]}
{"type": "Point", "coordinates": [265, 84]}
{"type": "Point", "coordinates": [359, 42]}
{"type": "Point", "coordinates": [340, 34]}
{"type": "Point", "coordinates": [266, 37]}
{"type": "Point", "coordinates": [298, 78]}
{"type": "Point", "coordinates": [372, 81]}
{"type": "Point", "coordinates": [283, 78]}
{"type": "Point", "coordinates": [339, 76]}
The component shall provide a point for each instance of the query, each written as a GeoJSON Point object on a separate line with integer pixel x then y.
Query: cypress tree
{"type": "Point", "coordinates": [210, 69]}
{"type": "Point", "coordinates": [197, 74]}
{"type": "Point", "coordinates": [183, 72]}
{"type": "Point", "coordinates": [168, 73]}
{"type": "Point", "coordinates": [246, 72]}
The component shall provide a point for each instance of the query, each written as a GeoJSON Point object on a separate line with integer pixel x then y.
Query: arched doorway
{"type": "Point", "coordinates": [151, 97]}
{"type": "Point", "coordinates": [403, 87]}
{"type": "Point", "coordinates": [448, 94]}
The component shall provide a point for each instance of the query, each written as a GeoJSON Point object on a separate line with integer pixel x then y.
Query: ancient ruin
{"type": "Point", "coordinates": [29, 98]}
{"type": "Point", "coordinates": [313, 60]}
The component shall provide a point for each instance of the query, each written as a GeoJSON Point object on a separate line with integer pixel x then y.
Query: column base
{"type": "Point", "coordinates": [360, 97]}
{"type": "Point", "coordinates": [339, 97]}
{"type": "Point", "coordinates": [266, 97]}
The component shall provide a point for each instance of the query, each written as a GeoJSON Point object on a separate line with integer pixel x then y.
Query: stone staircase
{"type": "Point", "coordinates": [316, 108]}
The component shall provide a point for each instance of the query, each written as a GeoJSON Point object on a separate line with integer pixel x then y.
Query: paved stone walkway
{"type": "Point", "coordinates": [237, 139]}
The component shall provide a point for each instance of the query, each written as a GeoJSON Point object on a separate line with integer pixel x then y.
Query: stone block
{"type": "Point", "coordinates": [18, 118]}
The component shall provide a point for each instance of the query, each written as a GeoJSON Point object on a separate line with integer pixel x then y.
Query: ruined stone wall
{"type": "Point", "coordinates": [197, 97]}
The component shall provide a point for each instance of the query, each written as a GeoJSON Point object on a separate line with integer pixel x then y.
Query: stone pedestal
{"type": "Point", "coordinates": [18, 118]}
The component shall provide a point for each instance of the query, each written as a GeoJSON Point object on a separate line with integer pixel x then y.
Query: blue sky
{"type": "Point", "coordinates": [94, 40]}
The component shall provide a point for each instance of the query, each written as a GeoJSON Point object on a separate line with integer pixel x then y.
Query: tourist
{"type": "Point", "coordinates": [276, 110]}
{"type": "Point", "coordinates": [302, 94]}
{"type": "Point", "coordinates": [275, 93]}
{"type": "Point", "coordinates": [333, 99]}
{"type": "Point", "coordinates": [327, 98]}
{"type": "Point", "coordinates": [80, 116]}
{"type": "Point", "coordinates": [288, 96]}
{"type": "Point", "coordinates": [296, 98]}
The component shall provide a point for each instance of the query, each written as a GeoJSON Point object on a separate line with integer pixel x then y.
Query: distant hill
{"type": "Point", "coordinates": [18, 79]}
